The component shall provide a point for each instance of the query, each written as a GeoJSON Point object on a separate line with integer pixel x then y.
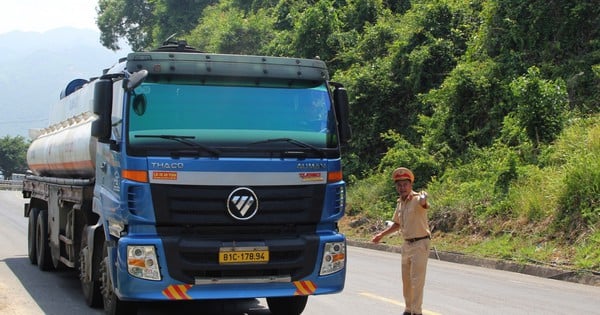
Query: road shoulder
{"type": "Point", "coordinates": [583, 277]}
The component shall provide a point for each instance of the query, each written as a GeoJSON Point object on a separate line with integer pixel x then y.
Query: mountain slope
{"type": "Point", "coordinates": [36, 67]}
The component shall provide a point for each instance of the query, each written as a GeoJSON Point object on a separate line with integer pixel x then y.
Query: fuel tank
{"type": "Point", "coordinates": [66, 148]}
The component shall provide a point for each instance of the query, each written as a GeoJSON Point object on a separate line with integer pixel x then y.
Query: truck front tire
{"type": "Point", "coordinates": [91, 288]}
{"type": "Point", "coordinates": [112, 304]}
{"type": "Point", "coordinates": [292, 305]}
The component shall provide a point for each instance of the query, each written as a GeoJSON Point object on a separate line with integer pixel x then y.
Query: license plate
{"type": "Point", "coordinates": [243, 255]}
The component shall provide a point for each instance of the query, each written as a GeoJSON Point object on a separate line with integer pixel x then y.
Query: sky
{"type": "Point", "coordinates": [44, 15]}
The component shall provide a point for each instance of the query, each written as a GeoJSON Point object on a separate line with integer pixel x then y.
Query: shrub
{"type": "Point", "coordinates": [541, 105]}
{"type": "Point", "coordinates": [373, 196]}
{"type": "Point", "coordinates": [577, 153]}
{"type": "Point", "coordinates": [402, 153]}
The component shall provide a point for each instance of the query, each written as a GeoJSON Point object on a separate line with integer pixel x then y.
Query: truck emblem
{"type": "Point", "coordinates": [242, 203]}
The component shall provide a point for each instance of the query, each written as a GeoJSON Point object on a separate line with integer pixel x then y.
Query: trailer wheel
{"type": "Point", "coordinates": [31, 239]}
{"type": "Point", "coordinates": [291, 305]}
{"type": "Point", "coordinates": [42, 247]}
{"type": "Point", "coordinates": [91, 288]}
{"type": "Point", "coordinates": [112, 304]}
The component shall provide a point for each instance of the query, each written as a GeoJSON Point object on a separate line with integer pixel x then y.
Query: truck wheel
{"type": "Point", "coordinates": [90, 288]}
{"type": "Point", "coordinates": [112, 304]}
{"type": "Point", "coordinates": [42, 247]}
{"type": "Point", "coordinates": [291, 305]}
{"type": "Point", "coordinates": [31, 239]}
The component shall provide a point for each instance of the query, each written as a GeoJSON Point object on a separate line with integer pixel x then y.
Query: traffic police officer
{"type": "Point", "coordinates": [410, 218]}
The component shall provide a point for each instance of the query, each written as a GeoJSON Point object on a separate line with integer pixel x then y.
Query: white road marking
{"type": "Point", "coordinates": [392, 301]}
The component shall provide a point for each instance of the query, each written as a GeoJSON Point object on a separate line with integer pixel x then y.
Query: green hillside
{"type": "Point", "coordinates": [499, 203]}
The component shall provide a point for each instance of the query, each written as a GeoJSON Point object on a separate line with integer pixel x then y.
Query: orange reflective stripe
{"type": "Point", "coordinates": [74, 165]}
{"type": "Point", "coordinates": [305, 287]}
{"type": "Point", "coordinates": [177, 292]}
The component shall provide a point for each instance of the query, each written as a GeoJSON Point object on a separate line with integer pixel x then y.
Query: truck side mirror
{"type": "Point", "coordinates": [101, 127]}
{"type": "Point", "coordinates": [135, 79]}
{"type": "Point", "coordinates": [342, 109]}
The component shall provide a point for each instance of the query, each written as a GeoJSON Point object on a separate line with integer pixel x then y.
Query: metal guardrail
{"type": "Point", "coordinates": [11, 184]}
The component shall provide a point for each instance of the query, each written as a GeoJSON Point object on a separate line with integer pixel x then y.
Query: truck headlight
{"type": "Point", "coordinates": [142, 262]}
{"type": "Point", "coordinates": [334, 258]}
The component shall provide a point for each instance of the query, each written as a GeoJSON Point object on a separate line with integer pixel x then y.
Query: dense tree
{"type": "Point", "coordinates": [397, 59]}
{"type": "Point", "coordinates": [176, 17]}
{"type": "Point", "coordinates": [13, 155]}
{"type": "Point", "coordinates": [541, 105]}
{"type": "Point", "coordinates": [359, 13]}
{"type": "Point", "coordinates": [227, 29]}
{"type": "Point", "coordinates": [560, 37]}
{"type": "Point", "coordinates": [254, 5]}
{"type": "Point", "coordinates": [132, 20]}
{"type": "Point", "coordinates": [468, 110]}
{"type": "Point", "coordinates": [313, 30]}
{"type": "Point", "coordinates": [146, 23]}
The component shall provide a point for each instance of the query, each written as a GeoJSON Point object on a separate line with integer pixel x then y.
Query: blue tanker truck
{"type": "Point", "coordinates": [180, 175]}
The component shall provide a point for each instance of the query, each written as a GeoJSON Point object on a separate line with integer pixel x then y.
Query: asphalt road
{"type": "Point", "coordinates": [372, 286]}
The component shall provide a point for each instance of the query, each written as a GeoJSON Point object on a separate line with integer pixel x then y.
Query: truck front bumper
{"type": "Point", "coordinates": [167, 288]}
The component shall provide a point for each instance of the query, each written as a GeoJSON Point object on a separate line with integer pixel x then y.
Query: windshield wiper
{"type": "Point", "coordinates": [294, 142]}
{"type": "Point", "coordinates": [185, 140]}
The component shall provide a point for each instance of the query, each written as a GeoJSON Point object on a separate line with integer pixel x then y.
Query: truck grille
{"type": "Point", "coordinates": [193, 223]}
{"type": "Point", "coordinates": [203, 205]}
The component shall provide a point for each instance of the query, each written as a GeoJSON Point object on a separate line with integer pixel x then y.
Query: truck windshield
{"type": "Point", "coordinates": [230, 118]}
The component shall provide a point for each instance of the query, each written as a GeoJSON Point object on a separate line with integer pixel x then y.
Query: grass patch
{"type": "Point", "coordinates": [588, 254]}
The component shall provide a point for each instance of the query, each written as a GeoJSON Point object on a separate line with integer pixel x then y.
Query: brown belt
{"type": "Point", "coordinates": [412, 240]}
